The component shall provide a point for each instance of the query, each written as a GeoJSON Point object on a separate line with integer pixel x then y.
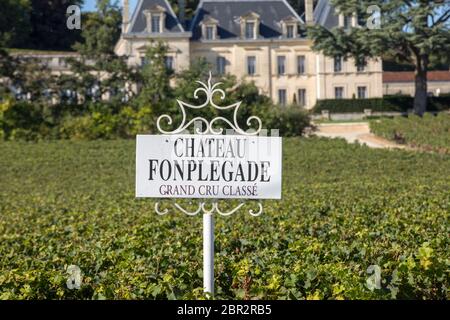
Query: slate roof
{"type": "Point", "coordinates": [227, 13]}
{"type": "Point", "coordinates": [138, 22]}
{"type": "Point", "coordinates": [325, 14]}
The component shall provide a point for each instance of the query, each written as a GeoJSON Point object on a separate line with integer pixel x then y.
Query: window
{"type": "Point", "coordinates": [251, 65]}
{"type": "Point", "coordinates": [302, 97]}
{"type": "Point", "coordinates": [156, 19]}
{"type": "Point", "coordinates": [360, 65]}
{"type": "Point", "coordinates": [62, 63]}
{"type": "Point", "coordinates": [144, 61]}
{"type": "Point", "coordinates": [221, 62]}
{"type": "Point", "coordinates": [362, 92]}
{"type": "Point", "coordinates": [301, 66]}
{"type": "Point", "coordinates": [209, 33]}
{"type": "Point", "coordinates": [347, 22]}
{"type": "Point", "coordinates": [282, 97]}
{"type": "Point", "coordinates": [290, 32]}
{"type": "Point", "coordinates": [281, 62]}
{"type": "Point", "coordinates": [168, 61]}
{"type": "Point", "coordinates": [361, 20]}
{"type": "Point", "coordinates": [337, 64]}
{"type": "Point", "coordinates": [249, 30]}
{"type": "Point", "coordinates": [339, 92]}
{"type": "Point", "coordinates": [209, 29]}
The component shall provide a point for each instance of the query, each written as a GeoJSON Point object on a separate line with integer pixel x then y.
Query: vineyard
{"type": "Point", "coordinates": [354, 223]}
{"type": "Point", "coordinates": [428, 133]}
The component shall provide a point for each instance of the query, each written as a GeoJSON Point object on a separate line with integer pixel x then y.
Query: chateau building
{"type": "Point", "coordinates": [255, 40]}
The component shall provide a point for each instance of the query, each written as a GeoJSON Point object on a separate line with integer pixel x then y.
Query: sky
{"type": "Point", "coordinates": [89, 5]}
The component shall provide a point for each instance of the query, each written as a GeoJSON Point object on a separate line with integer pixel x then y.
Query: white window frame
{"type": "Point", "coordinates": [338, 61]}
{"type": "Point", "coordinates": [155, 13]}
{"type": "Point", "coordinates": [348, 22]}
{"type": "Point", "coordinates": [285, 97]}
{"type": "Point", "coordinates": [252, 29]}
{"type": "Point", "coordinates": [156, 27]}
{"type": "Point", "coordinates": [221, 68]}
{"type": "Point", "coordinates": [288, 25]}
{"type": "Point", "coordinates": [305, 102]}
{"type": "Point", "coordinates": [248, 59]}
{"type": "Point", "coordinates": [342, 93]}
{"type": "Point", "coordinates": [366, 91]}
{"type": "Point", "coordinates": [251, 18]}
{"type": "Point", "coordinates": [284, 67]}
{"type": "Point", "coordinates": [360, 67]}
{"type": "Point", "coordinates": [209, 32]}
{"type": "Point", "coordinates": [290, 35]}
{"type": "Point", "coordinates": [301, 66]}
{"type": "Point", "coordinates": [172, 65]}
{"type": "Point", "coordinates": [213, 28]}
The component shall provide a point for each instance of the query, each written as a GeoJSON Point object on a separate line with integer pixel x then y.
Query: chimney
{"type": "Point", "coordinates": [125, 15]}
{"type": "Point", "coordinates": [309, 16]}
{"type": "Point", "coordinates": [182, 11]}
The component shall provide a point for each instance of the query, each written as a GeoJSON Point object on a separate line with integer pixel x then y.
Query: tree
{"type": "Point", "coordinates": [299, 5]}
{"type": "Point", "coordinates": [34, 80]}
{"type": "Point", "coordinates": [101, 31]}
{"type": "Point", "coordinates": [190, 6]}
{"type": "Point", "coordinates": [99, 70]}
{"type": "Point", "coordinates": [15, 22]}
{"type": "Point", "coordinates": [411, 31]}
{"type": "Point", "coordinates": [187, 80]}
{"type": "Point", "coordinates": [48, 25]}
{"type": "Point", "coordinates": [154, 77]}
{"type": "Point", "coordinates": [25, 78]}
{"type": "Point", "coordinates": [6, 69]}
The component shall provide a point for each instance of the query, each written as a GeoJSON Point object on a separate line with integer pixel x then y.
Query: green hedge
{"type": "Point", "coordinates": [385, 104]}
{"type": "Point", "coordinates": [21, 120]}
{"type": "Point", "coordinates": [101, 120]}
{"type": "Point", "coordinates": [291, 121]}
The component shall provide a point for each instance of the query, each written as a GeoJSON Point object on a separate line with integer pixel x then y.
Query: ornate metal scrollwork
{"type": "Point", "coordinates": [214, 208]}
{"type": "Point", "coordinates": [210, 91]}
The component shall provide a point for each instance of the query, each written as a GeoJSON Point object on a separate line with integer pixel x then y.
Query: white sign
{"type": "Point", "coordinates": [208, 166]}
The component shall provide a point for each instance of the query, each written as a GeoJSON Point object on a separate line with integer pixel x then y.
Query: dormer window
{"type": "Point", "coordinates": [209, 33]}
{"type": "Point", "coordinates": [209, 29]}
{"type": "Point", "coordinates": [249, 30]}
{"type": "Point", "coordinates": [156, 24]}
{"type": "Point", "coordinates": [348, 21]}
{"type": "Point", "coordinates": [250, 26]}
{"type": "Point", "coordinates": [290, 27]}
{"type": "Point", "coordinates": [290, 32]}
{"type": "Point", "coordinates": [155, 19]}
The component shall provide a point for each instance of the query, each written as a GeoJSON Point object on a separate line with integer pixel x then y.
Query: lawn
{"type": "Point", "coordinates": [429, 133]}
{"type": "Point", "coordinates": [345, 208]}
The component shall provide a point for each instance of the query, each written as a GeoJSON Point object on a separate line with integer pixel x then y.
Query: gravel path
{"type": "Point", "coordinates": [353, 132]}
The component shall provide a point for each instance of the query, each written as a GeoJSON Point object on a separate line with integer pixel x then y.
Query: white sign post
{"type": "Point", "coordinates": [208, 165]}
